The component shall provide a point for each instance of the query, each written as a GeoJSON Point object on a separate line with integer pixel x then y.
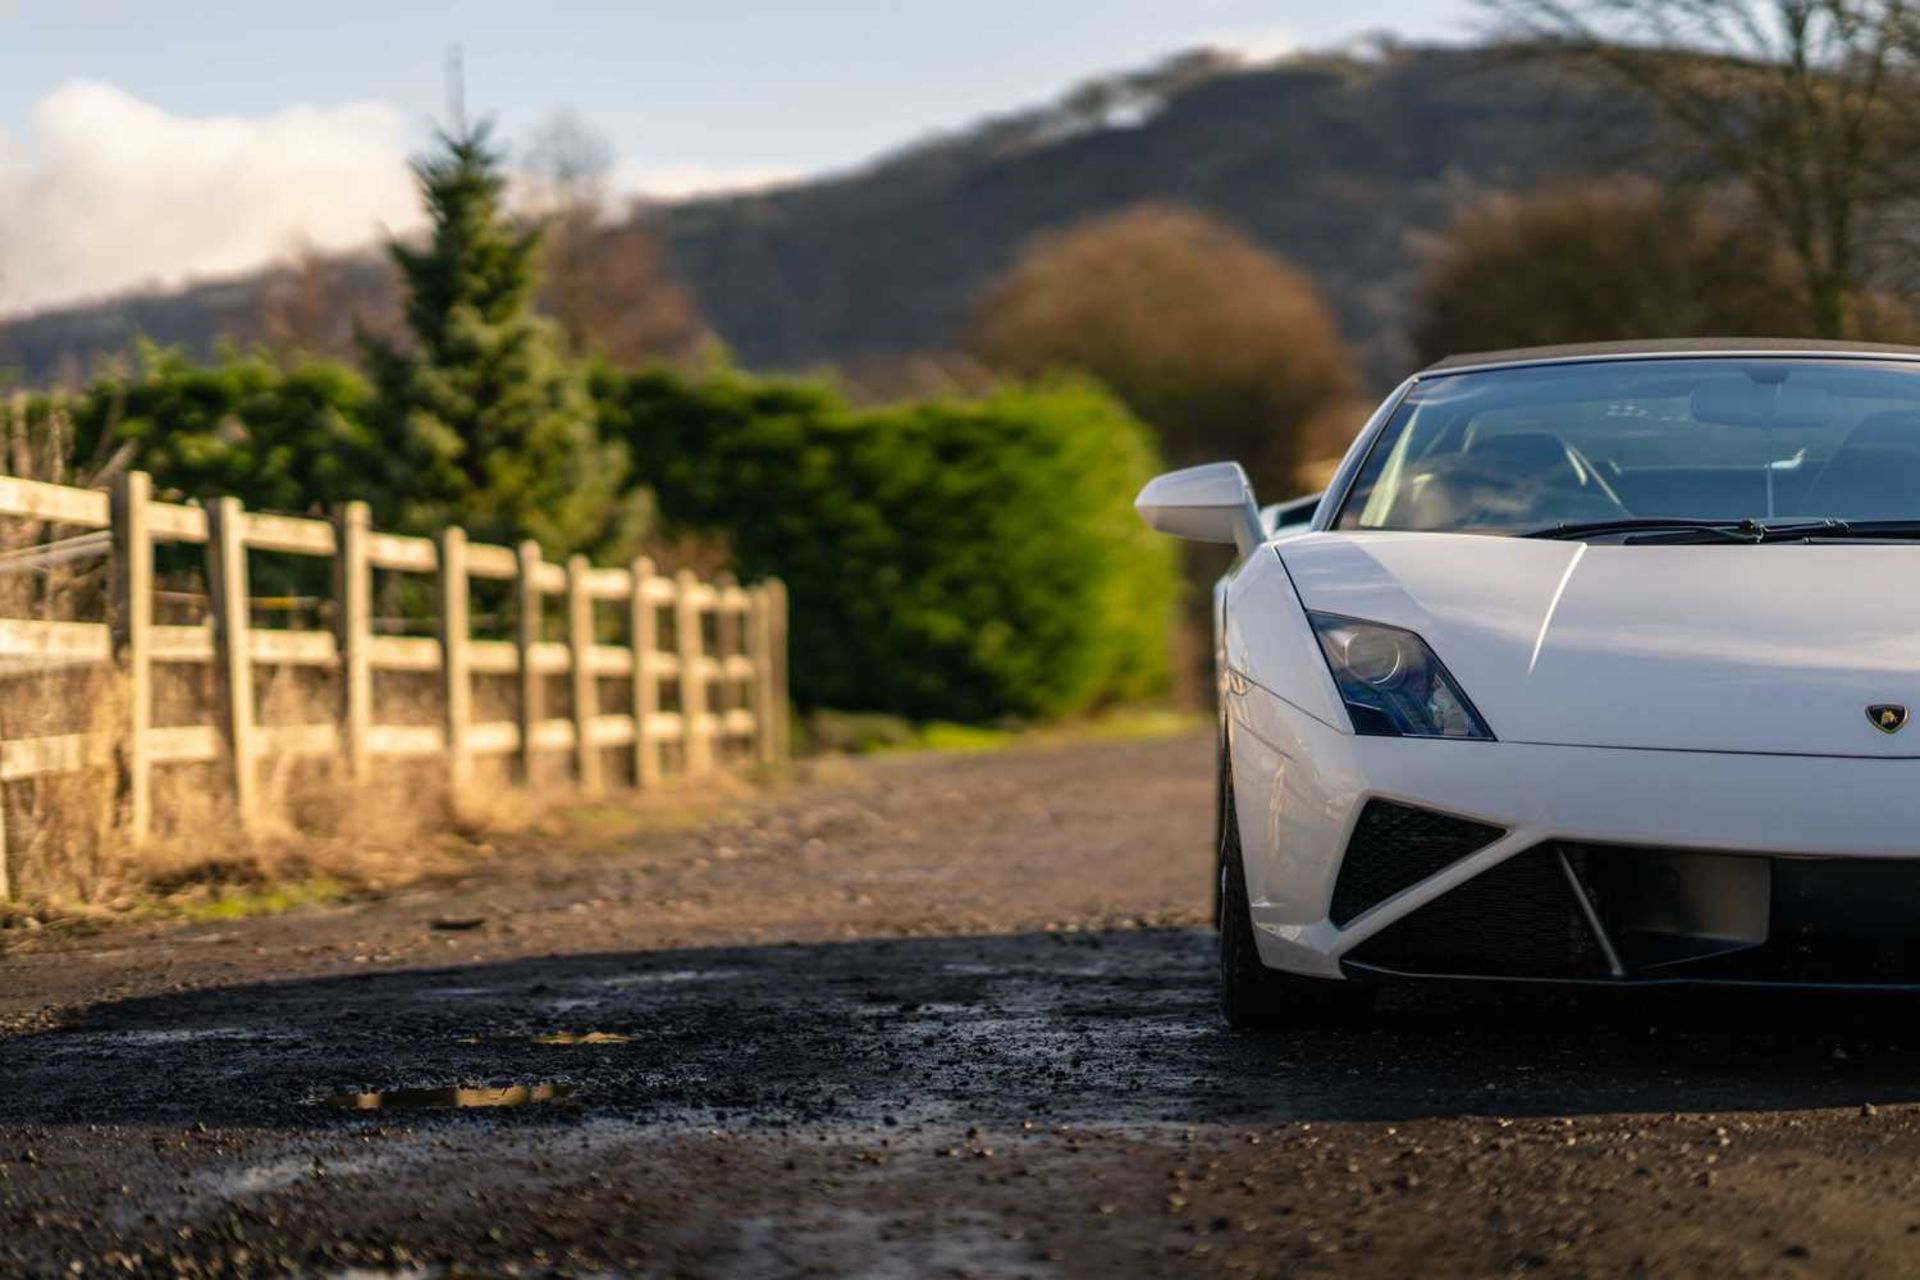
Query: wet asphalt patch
{"type": "Point", "coordinates": [1110, 1028]}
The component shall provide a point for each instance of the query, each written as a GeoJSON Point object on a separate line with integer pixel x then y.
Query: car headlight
{"type": "Point", "coordinates": [1392, 684]}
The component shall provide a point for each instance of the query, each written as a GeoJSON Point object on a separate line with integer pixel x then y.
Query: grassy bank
{"type": "Point", "coordinates": [373, 843]}
{"type": "Point", "coordinates": [861, 734]}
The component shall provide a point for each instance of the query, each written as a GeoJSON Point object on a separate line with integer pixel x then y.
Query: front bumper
{"type": "Point", "coordinates": [1596, 864]}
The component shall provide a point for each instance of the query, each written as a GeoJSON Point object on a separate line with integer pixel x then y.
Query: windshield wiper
{"type": "Point", "coordinates": [1866, 530]}
{"type": "Point", "coordinates": [1728, 530]}
{"type": "Point", "coordinates": [1657, 530]}
{"type": "Point", "coordinates": [1755, 531]}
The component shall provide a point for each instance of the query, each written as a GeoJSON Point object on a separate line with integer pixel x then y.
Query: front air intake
{"type": "Point", "coordinates": [1520, 918]}
{"type": "Point", "coordinates": [1396, 846]}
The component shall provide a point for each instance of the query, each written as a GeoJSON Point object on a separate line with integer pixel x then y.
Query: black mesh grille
{"type": "Point", "coordinates": [1518, 919]}
{"type": "Point", "coordinates": [1395, 847]}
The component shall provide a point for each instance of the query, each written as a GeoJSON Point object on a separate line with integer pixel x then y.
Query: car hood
{"type": "Point", "coordinates": [1778, 648]}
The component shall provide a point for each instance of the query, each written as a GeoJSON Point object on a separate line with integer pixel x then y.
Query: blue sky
{"type": "Point", "coordinates": [711, 82]}
{"type": "Point", "coordinates": [142, 104]}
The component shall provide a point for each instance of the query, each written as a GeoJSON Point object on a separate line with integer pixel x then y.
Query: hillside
{"type": "Point", "coordinates": [1339, 163]}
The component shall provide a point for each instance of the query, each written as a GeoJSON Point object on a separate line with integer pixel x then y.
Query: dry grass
{"type": "Point", "coordinates": [69, 854]}
{"type": "Point", "coordinates": [59, 830]}
{"type": "Point", "coordinates": [318, 836]}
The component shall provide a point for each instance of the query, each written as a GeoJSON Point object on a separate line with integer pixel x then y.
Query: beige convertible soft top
{"type": "Point", "coordinates": [1669, 347]}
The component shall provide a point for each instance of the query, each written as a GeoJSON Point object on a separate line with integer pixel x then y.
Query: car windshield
{"type": "Point", "coordinates": [1522, 450]}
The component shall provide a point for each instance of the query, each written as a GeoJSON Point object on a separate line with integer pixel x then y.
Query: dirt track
{"type": "Point", "coordinates": [952, 1016]}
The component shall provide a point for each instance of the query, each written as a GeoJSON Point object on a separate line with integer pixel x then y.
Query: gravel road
{"type": "Point", "coordinates": [933, 1016]}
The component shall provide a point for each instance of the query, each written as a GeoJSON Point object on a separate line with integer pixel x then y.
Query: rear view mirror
{"type": "Point", "coordinates": [1211, 503]}
{"type": "Point", "coordinates": [1745, 402]}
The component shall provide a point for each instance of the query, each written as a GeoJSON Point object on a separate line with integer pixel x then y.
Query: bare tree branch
{"type": "Point", "coordinates": [1811, 106]}
{"type": "Point", "coordinates": [607, 283]}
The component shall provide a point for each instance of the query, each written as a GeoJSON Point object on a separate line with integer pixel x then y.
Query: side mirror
{"type": "Point", "coordinates": [1211, 503]}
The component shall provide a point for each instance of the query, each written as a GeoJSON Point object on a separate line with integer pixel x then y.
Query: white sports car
{"type": "Point", "coordinates": [1590, 666]}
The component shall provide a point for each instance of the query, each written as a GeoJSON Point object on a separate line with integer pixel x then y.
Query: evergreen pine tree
{"type": "Point", "coordinates": [481, 421]}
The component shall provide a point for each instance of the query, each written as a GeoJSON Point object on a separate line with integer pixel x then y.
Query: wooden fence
{"type": "Point", "coordinates": [722, 656]}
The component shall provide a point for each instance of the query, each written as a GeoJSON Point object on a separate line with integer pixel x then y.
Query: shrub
{"type": "Point", "coordinates": [1228, 350]}
{"type": "Point", "coordinates": [946, 560]}
{"type": "Point", "coordinates": [278, 439]}
{"type": "Point", "coordinates": [1623, 259]}
{"type": "Point", "coordinates": [857, 732]}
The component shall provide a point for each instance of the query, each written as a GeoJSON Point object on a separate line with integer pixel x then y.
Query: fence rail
{"type": "Point", "coordinates": [726, 663]}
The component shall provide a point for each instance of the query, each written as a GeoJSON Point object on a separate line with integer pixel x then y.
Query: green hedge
{"type": "Point", "coordinates": [960, 561]}
{"type": "Point", "coordinates": [278, 439]}
{"type": "Point", "coordinates": [946, 561]}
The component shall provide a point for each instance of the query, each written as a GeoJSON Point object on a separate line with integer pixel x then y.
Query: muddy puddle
{"type": "Point", "coordinates": [515, 1095]}
{"type": "Point", "coordinates": [553, 1038]}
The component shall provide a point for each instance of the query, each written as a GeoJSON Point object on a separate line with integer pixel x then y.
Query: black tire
{"type": "Point", "coordinates": [1252, 996]}
{"type": "Point", "coordinates": [1220, 785]}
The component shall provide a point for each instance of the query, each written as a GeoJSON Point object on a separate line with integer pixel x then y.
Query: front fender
{"type": "Point", "coordinates": [1265, 639]}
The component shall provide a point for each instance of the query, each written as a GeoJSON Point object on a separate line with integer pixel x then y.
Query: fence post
{"type": "Point", "coordinates": [233, 663]}
{"type": "Point", "coordinates": [584, 687]}
{"type": "Point", "coordinates": [353, 599]}
{"type": "Point", "coordinates": [456, 671]}
{"type": "Point", "coordinates": [689, 642]}
{"type": "Point", "coordinates": [723, 693]}
{"type": "Point", "coordinates": [777, 651]}
{"type": "Point", "coordinates": [533, 699]}
{"type": "Point", "coordinates": [759, 652]}
{"type": "Point", "coordinates": [643, 625]}
{"type": "Point", "coordinates": [6, 852]}
{"type": "Point", "coordinates": [17, 420]}
{"type": "Point", "coordinates": [132, 620]}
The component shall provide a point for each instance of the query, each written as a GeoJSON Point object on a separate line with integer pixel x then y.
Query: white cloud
{"type": "Point", "coordinates": [108, 193]}
{"type": "Point", "coordinates": [1256, 46]}
{"type": "Point", "coordinates": [681, 181]}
